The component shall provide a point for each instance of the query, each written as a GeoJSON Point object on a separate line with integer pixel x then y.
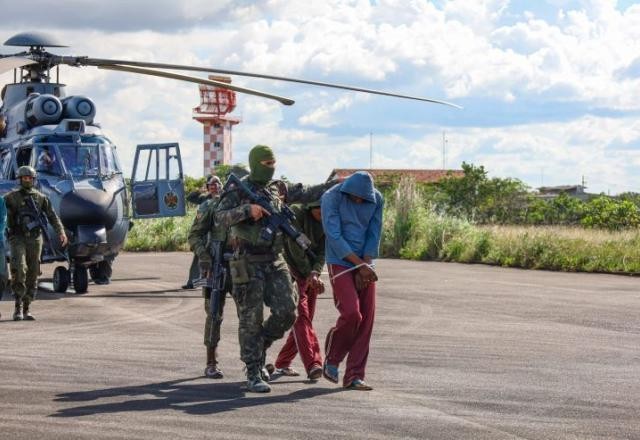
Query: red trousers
{"type": "Point", "coordinates": [351, 335]}
{"type": "Point", "coordinates": [302, 338]}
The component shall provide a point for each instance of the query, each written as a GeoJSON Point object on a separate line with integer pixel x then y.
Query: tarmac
{"type": "Point", "coordinates": [458, 352]}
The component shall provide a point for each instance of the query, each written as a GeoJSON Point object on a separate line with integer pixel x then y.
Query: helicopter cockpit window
{"type": "Point", "coordinates": [108, 161]}
{"type": "Point", "coordinates": [5, 163]}
{"type": "Point", "coordinates": [46, 160]}
{"type": "Point", "coordinates": [80, 160]}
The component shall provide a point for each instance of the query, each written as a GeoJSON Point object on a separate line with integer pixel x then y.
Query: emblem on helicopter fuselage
{"type": "Point", "coordinates": [171, 200]}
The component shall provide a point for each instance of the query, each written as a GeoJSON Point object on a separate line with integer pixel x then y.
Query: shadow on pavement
{"type": "Point", "coordinates": [209, 398]}
{"type": "Point", "coordinates": [115, 280]}
{"type": "Point", "coordinates": [125, 295]}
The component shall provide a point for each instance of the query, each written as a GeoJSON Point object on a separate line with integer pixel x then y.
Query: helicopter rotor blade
{"type": "Point", "coordinates": [12, 62]}
{"type": "Point", "coordinates": [193, 79]}
{"type": "Point", "coordinates": [103, 62]}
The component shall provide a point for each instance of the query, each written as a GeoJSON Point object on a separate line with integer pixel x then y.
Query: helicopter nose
{"type": "Point", "coordinates": [88, 207]}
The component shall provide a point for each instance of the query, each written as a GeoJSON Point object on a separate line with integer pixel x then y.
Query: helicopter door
{"type": "Point", "coordinates": [157, 182]}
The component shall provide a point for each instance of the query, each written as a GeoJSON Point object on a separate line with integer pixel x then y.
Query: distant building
{"type": "Point", "coordinates": [551, 192]}
{"type": "Point", "coordinates": [386, 176]}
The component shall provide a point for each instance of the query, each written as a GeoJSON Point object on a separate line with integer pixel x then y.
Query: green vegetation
{"type": "Point", "coordinates": [162, 234]}
{"type": "Point", "coordinates": [475, 219]}
{"type": "Point", "coordinates": [430, 236]}
{"type": "Point", "coordinates": [415, 228]}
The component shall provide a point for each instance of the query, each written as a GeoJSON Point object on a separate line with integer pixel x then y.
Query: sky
{"type": "Point", "coordinates": [550, 89]}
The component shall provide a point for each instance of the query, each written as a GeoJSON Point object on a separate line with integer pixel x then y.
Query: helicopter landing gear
{"type": "Point", "coordinates": [61, 279]}
{"type": "Point", "coordinates": [80, 279]}
{"type": "Point", "coordinates": [100, 272]}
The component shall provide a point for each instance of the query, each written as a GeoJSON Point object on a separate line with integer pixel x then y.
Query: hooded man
{"type": "Point", "coordinates": [352, 220]}
{"type": "Point", "coordinates": [258, 271]}
{"type": "Point", "coordinates": [26, 240]}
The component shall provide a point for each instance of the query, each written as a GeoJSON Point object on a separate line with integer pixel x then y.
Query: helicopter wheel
{"type": "Point", "coordinates": [80, 279]}
{"type": "Point", "coordinates": [60, 279]}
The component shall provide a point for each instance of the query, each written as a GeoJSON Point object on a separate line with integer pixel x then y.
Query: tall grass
{"type": "Point", "coordinates": [163, 234]}
{"type": "Point", "coordinates": [414, 230]}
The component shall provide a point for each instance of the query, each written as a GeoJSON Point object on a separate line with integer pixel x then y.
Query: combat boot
{"type": "Point", "coordinates": [17, 313]}
{"type": "Point", "coordinates": [255, 383]}
{"type": "Point", "coordinates": [265, 372]}
{"type": "Point", "coordinates": [212, 371]}
{"type": "Point", "coordinates": [27, 316]}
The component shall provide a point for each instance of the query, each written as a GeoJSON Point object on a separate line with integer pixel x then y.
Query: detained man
{"type": "Point", "coordinates": [352, 221]}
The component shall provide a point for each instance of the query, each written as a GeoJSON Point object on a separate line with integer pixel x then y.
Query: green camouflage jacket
{"type": "Point", "coordinates": [204, 229]}
{"type": "Point", "coordinates": [19, 214]}
{"type": "Point", "coordinates": [198, 198]}
{"type": "Point", "coordinates": [301, 264]}
{"type": "Point", "coordinates": [234, 212]}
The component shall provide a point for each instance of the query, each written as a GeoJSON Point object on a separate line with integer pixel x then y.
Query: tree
{"type": "Point", "coordinates": [608, 213]}
{"type": "Point", "coordinates": [478, 198]}
{"type": "Point", "coordinates": [462, 193]}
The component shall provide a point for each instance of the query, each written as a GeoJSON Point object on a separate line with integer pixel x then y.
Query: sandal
{"type": "Point", "coordinates": [359, 385]}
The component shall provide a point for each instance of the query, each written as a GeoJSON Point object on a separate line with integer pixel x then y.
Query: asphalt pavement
{"type": "Point", "coordinates": [458, 351]}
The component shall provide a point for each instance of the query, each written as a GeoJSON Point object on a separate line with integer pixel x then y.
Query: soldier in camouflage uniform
{"type": "Point", "coordinates": [214, 185]}
{"type": "Point", "coordinates": [203, 232]}
{"type": "Point", "coordinates": [258, 270]}
{"type": "Point", "coordinates": [306, 273]}
{"type": "Point", "coordinates": [26, 243]}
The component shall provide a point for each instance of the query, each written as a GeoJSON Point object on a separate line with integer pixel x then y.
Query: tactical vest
{"type": "Point", "coordinates": [252, 234]}
{"type": "Point", "coordinates": [216, 233]}
{"type": "Point", "coordinates": [24, 220]}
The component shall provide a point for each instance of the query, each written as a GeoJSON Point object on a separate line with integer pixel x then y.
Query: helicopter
{"type": "Point", "coordinates": [77, 164]}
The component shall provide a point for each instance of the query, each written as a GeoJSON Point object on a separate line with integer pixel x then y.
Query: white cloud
{"type": "Point", "coordinates": [586, 58]}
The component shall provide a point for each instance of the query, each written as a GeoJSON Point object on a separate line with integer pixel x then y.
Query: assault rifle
{"type": "Point", "coordinates": [215, 279]}
{"type": "Point", "coordinates": [281, 219]}
{"type": "Point", "coordinates": [40, 221]}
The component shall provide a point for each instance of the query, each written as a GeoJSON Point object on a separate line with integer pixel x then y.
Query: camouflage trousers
{"type": "Point", "coordinates": [194, 270]}
{"type": "Point", "coordinates": [211, 329]}
{"type": "Point", "coordinates": [269, 283]}
{"type": "Point", "coordinates": [25, 266]}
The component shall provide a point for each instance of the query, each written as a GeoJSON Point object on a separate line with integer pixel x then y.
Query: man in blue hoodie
{"type": "Point", "coordinates": [352, 220]}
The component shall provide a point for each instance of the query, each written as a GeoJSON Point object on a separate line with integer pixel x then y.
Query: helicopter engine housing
{"type": "Point", "coordinates": [79, 107]}
{"type": "Point", "coordinates": [42, 109]}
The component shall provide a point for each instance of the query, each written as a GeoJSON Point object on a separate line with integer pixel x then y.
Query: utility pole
{"type": "Point", "coordinates": [444, 150]}
{"type": "Point", "coordinates": [541, 176]}
{"type": "Point", "coordinates": [370, 150]}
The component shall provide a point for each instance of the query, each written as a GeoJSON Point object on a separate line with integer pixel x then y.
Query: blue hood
{"type": "Point", "coordinates": [359, 184]}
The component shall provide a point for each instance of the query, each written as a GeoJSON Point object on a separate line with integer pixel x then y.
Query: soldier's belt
{"type": "Point", "coordinates": [260, 258]}
{"type": "Point", "coordinates": [246, 248]}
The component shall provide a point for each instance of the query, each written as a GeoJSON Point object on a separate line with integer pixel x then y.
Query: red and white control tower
{"type": "Point", "coordinates": [215, 104]}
